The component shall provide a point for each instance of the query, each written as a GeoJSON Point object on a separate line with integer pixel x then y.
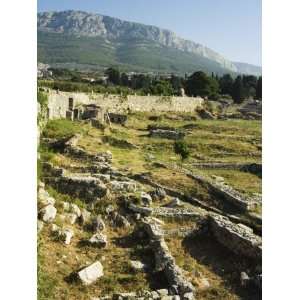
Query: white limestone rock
{"type": "Point", "coordinates": [67, 235]}
{"type": "Point", "coordinates": [71, 218]}
{"type": "Point", "coordinates": [75, 209]}
{"type": "Point", "coordinates": [98, 240]}
{"type": "Point", "coordinates": [146, 199]}
{"type": "Point", "coordinates": [44, 198]}
{"type": "Point", "coordinates": [85, 217]}
{"type": "Point", "coordinates": [91, 273]}
{"type": "Point", "coordinates": [98, 224]}
{"type": "Point", "coordinates": [174, 203]}
{"type": "Point", "coordinates": [40, 226]}
{"type": "Point", "coordinates": [137, 265]}
{"type": "Point", "coordinates": [48, 213]}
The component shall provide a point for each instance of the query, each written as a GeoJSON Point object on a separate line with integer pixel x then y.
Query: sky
{"type": "Point", "coordinates": [230, 27]}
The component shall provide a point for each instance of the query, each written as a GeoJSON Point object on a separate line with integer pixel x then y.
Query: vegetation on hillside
{"type": "Point", "coordinates": [197, 84]}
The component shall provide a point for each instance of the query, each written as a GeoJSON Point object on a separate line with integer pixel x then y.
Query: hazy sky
{"type": "Point", "coordinates": [230, 27]}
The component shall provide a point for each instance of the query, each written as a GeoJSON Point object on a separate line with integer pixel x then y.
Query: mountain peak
{"type": "Point", "coordinates": [118, 33]}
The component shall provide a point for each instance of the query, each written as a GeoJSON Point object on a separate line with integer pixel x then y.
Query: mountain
{"type": "Point", "coordinates": [86, 39]}
{"type": "Point", "coordinates": [248, 69]}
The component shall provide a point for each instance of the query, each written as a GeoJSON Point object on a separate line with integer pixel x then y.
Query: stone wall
{"type": "Point", "coordinates": [238, 238]}
{"type": "Point", "coordinates": [58, 103]}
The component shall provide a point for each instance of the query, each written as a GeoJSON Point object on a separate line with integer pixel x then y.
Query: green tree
{"type": "Point", "coordinates": [181, 148]}
{"type": "Point", "coordinates": [161, 87]}
{"type": "Point", "coordinates": [226, 84]}
{"type": "Point", "coordinates": [199, 84]}
{"type": "Point", "coordinates": [259, 88]}
{"type": "Point", "coordinates": [176, 83]}
{"type": "Point", "coordinates": [238, 93]}
{"type": "Point", "coordinates": [250, 83]}
{"type": "Point", "coordinates": [124, 80]}
{"type": "Point", "coordinates": [113, 76]}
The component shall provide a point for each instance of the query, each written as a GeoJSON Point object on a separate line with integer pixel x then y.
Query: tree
{"type": "Point", "coordinates": [181, 148]}
{"type": "Point", "coordinates": [176, 83]}
{"type": "Point", "coordinates": [259, 88]}
{"type": "Point", "coordinates": [226, 84]}
{"type": "Point", "coordinates": [124, 80]}
{"type": "Point", "coordinates": [113, 76]}
{"type": "Point", "coordinates": [250, 83]}
{"type": "Point", "coordinates": [238, 93]}
{"type": "Point", "coordinates": [161, 87]}
{"type": "Point", "coordinates": [199, 84]}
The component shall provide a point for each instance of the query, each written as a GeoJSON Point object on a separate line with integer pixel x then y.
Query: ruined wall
{"type": "Point", "coordinates": [58, 103]}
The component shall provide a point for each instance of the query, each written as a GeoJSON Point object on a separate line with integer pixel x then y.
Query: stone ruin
{"type": "Point", "coordinates": [165, 262]}
{"type": "Point", "coordinates": [166, 134]}
{"type": "Point", "coordinates": [238, 238]}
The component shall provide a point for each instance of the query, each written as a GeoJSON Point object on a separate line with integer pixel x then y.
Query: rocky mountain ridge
{"type": "Point", "coordinates": [118, 33]}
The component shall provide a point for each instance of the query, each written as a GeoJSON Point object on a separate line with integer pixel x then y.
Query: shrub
{"type": "Point", "coordinates": [61, 129]}
{"type": "Point", "coordinates": [42, 99]}
{"type": "Point", "coordinates": [181, 148]}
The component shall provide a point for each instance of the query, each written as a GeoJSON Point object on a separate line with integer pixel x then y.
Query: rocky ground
{"type": "Point", "coordinates": [120, 216]}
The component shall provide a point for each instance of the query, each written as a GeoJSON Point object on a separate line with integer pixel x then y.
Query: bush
{"type": "Point", "coordinates": [42, 99]}
{"type": "Point", "coordinates": [181, 148]}
{"type": "Point", "coordinates": [61, 129]}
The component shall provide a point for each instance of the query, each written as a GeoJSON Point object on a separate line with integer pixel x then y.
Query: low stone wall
{"type": "Point", "coordinates": [58, 103]}
{"type": "Point", "coordinates": [228, 193]}
{"type": "Point", "coordinates": [178, 213]}
{"type": "Point", "coordinates": [164, 261]}
{"type": "Point", "coordinates": [253, 168]}
{"type": "Point", "coordinates": [82, 186]}
{"type": "Point", "coordinates": [238, 238]}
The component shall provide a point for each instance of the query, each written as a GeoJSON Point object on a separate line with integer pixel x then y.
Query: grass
{"type": "Point", "coordinates": [213, 141]}
{"type": "Point", "coordinates": [241, 181]}
{"type": "Point", "coordinates": [201, 257]}
{"type": "Point", "coordinates": [58, 129]}
{"type": "Point", "coordinates": [59, 261]}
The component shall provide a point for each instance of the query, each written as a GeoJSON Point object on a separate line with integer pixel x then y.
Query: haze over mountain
{"type": "Point", "coordinates": [86, 39]}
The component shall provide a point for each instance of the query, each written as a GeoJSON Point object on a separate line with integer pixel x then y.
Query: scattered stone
{"type": "Point", "coordinates": [98, 224]}
{"type": "Point", "coordinates": [48, 213]}
{"type": "Point", "coordinates": [71, 218]}
{"type": "Point", "coordinates": [98, 240]}
{"type": "Point", "coordinates": [54, 228]}
{"type": "Point", "coordinates": [91, 273]}
{"type": "Point", "coordinates": [146, 199]}
{"type": "Point", "coordinates": [85, 217]}
{"type": "Point", "coordinates": [128, 186]}
{"type": "Point", "coordinates": [158, 194]}
{"type": "Point", "coordinates": [188, 296]}
{"type": "Point", "coordinates": [175, 202]}
{"type": "Point", "coordinates": [162, 292]}
{"type": "Point", "coordinates": [205, 114]}
{"type": "Point", "coordinates": [67, 235]}
{"type": "Point", "coordinates": [155, 295]}
{"type": "Point", "coordinates": [40, 226]}
{"type": "Point", "coordinates": [109, 209]}
{"type": "Point", "coordinates": [120, 220]}
{"type": "Point", "coordinates": [125, 296]}
{"type": "Point", "coordinates": [75, 209]}
{"type": "Point", "coordinates": [41, 185]}
{"type": "Point", "coordinates": [204, 283]}
{"type": "Point", "coordinates": [44, 198]}
{"type": "Point", "coordinates": [218, 178]}
{"type": "Point", "coordinates": [103, 177]}
{"type": "Point", "coordinates": [137, 265]}
{"type": "Point", "coordinates": [244, 279]}
{"type": "Point", "coordinates": [66, 206]}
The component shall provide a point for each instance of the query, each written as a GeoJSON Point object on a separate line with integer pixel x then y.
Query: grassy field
{"type": "Point", "coordinates": [208, 141]}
